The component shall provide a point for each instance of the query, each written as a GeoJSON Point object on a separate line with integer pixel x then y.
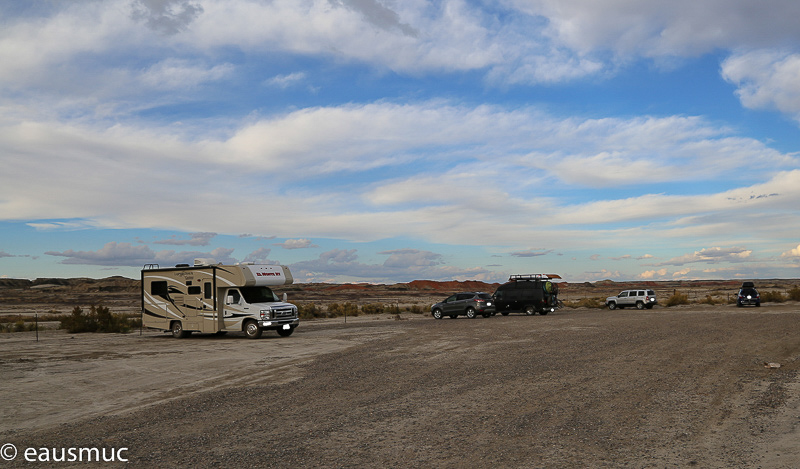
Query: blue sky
{"type": "Point", "coordinates": [386, 141]}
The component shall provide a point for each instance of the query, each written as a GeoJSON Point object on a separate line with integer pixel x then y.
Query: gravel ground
{"type": "Point", "coordinates": [668, 387]}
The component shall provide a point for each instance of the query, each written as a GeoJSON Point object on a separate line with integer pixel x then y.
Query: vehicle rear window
{"type": "Point", "coordinates": [651, 292]}
{"type": "Point", "coordinates": [485, 296]}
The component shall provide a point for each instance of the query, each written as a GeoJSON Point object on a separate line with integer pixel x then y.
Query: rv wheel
{"type": "Point", "coordinates": [252, 330]}
{"type": "Point", "coordinates": [530, 311]}
{"type": "Point", "coordinates": [285, 332]}
{"type": "Point", "coordinates": [177, 330]}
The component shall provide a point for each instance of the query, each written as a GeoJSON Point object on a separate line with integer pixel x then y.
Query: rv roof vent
{"type": "Point", "coordinates": [181, 265]}
{"type": "Point", "coordinates": [204, 261]}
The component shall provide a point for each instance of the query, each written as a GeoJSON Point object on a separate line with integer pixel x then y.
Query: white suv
{"type": "Point", "coordinates": [640, 298]}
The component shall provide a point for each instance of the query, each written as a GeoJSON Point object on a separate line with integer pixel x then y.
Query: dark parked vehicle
{"type": "Point", "coordinates": [469, 304]}
{"type": "Point", "coordinates": [530, 294]}
{"type": "Point", "coordinates": [748, 295]}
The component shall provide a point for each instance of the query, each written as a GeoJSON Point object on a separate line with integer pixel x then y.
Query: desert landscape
{"type": "Point", "coordinates": [703, 384]}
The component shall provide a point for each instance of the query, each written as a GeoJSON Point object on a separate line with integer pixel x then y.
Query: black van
{"type": "Point", "coordinates": [530, 294]}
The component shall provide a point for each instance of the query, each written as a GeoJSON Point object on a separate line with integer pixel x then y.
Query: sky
{"type": "Point", "coordinates": [386, 141]}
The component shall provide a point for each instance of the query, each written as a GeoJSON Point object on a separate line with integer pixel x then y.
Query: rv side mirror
{"type": "Point", "coordinates": [284, 297]}
{"type": "Point", "coordinates": [229, 300]}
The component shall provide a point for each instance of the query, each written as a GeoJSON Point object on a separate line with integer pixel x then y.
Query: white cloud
{"type": "Point", "coordinates": [792, 253]}
{"type": "Point", "coordinates": [711, 256]}
{"type": "Point", "coordinates": [653, 274]}
{"type": "Point", "coordinates": [126, 254]}
{"type": "Point", "coordinates": [296, 244]}
{"type": "Point", "coordinates": [445, 162]}
{"type": "Point", "coordinates": [171, 74]}
{"type": "Point", "coordinates": [196, 239]}
{"type": "Point", "coordinates": [766, 79]}
{"type": "Point", "coordinates": [286, 81]}
{"type": "Point", "coordinates": [675, 28]}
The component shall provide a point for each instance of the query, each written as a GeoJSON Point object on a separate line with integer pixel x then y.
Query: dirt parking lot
{"type": "Point", "coordinates": [668, 387]}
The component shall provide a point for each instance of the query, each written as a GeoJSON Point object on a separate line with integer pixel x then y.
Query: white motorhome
{"type": "Point", "coordinates": [214, 298]}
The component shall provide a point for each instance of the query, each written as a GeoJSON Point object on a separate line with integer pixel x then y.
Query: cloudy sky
{"type": "Point", "coordinates": [386, 140]}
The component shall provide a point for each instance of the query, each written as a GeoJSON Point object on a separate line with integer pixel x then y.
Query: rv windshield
{"type": "Point", "coordinates": [258, 294]}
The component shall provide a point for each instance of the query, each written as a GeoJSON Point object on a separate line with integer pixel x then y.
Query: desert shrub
{"type": "Point", "coordinates": [346, 309]}
{"type": "Point", "coordinates": [710, 300]}
{"type": "Point", "coordinates": [794, 294]}
{"type": "Point", "coordinates": [373, 308]}
{"type": "Point", "coordinates": [309, 311]}
{"type": "Point", "coordinates": [586, 303]}
{"type": "Point", "coordinates": [99, 319]}
{"type": "Point", "coordinates": [393, 309]}
{"type": "Point", "coordinates": [772, 297]}
{"type": "Point", "coordinates": [678, 298]}
{"type": "Point", "coordinates": [414, 309]}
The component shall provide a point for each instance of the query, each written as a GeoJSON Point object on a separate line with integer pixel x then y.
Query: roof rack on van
{"type": "Point", "coordinates": [533, 277]}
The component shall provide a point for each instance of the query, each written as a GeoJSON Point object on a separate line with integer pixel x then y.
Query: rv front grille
{"type": "Point", "coordinates": [283, 313]}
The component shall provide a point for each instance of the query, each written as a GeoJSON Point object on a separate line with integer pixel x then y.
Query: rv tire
{"type": "Point", "coordinates": [252, 330]}
{"type": "Point", "coordinates": [285, 332]}
{"type": "Point", "coordinates": [529, 310]}
{"type": "Point", "coordinates": [177, 330]}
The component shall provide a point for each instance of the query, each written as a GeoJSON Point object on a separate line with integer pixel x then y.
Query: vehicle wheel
{"type": "Point", "coordinates": [544, 312]}
{"type": "Point", "coordinates": [177, 330]}
{"type": "Point", "coordinates": [739, 304]}
{"type": "Point", "coordinates": [649, 306]}
{"type": "Point", "coordinates": [758, 305]}
{"type": "Point", "coordinates": [285, 332]}
{"type": "Point", "coordinates": [639, 305]}
{"type": "Point", "coordinates": [252, 330]}
{"type": "Point", "coordinates": [437, 314]}
{"type": "Point", "coordinates": [504, 313]}
{"type": "Point", "coordinates": [471, 313]}
{"type": "Point", "coordinates": [612, 305]}
{"type": "Point", "coordinates": [529, 310]}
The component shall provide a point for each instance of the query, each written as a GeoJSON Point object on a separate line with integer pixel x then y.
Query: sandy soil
{"type": "Point", "coordinates": [670, 387]}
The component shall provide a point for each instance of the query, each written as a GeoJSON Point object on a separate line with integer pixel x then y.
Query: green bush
{"type": "Point", "coordinates": [772, 297]}
{"type": "Point", "coordinates": [309, 311]}
{"type": "Point", "coordinates": [710, 300]}
{"type": "Point", "coordinates": [794, 294]}
{"type": "Point", "coordinates": [99, 319]}
{"type": "Point", "coordinates": [414, 309]}
{"type": "Point", "coordinates": [678, 298]}
{"type": "Point", "coordinates": [347, 309]}
{"type": "Point", "coordinates": [591, 303]}
{"type": "Point", "coordinates": [373, 308]}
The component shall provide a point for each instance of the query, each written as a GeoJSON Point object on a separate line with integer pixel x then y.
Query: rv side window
{"type": "Point", "coordinates": [159, 288]}
{"type": "Point", "coordinates": [194, 290]}
{"type": "Point", "coordinates": [207, 290]}
{"type": "Point", "coordinates": [233, 297]}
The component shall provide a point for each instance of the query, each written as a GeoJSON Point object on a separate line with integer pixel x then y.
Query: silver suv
{"type": "Point", "coordinates": [640, 298]}
{"type": "Point", "coordinates": [470, 304]}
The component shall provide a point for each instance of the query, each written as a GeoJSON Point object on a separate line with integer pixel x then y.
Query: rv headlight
{"type": "Point", "coordinates": [265, 314]}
